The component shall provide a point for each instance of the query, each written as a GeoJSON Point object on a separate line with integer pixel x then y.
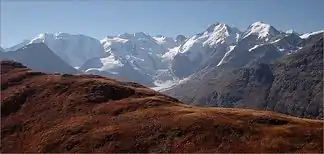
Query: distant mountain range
{"type": "Point", "coordinates": [160, 61]}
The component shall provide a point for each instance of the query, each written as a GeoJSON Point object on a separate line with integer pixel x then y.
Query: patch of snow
{"type": "Point", "coordinates": [290, 31]}
{"type": "Point", "coordinates": [109, 63]}
{"type": "Point", "coordinates": [166, 42]}
{"type": "Point", "coordinates": [113, 72]}
{"type": "Point", "coordinates": [184, 80]}
{"type": "Point", "coordinates": [171, 53]}
{"type": "Point", "coordinates": [305, 36]}
{"type": "Point", "coordinates": [275, 41]}
{"type": "Point", "coordinates": [169, 84]}
{"type": "Point", "coordinates": [231, 48]}
{"type": "Point", "coordinates": [163, 85]}
{"type": "Point", "coordinates": [254, 47]}
{"type": "Point", "coordinates": [92, 69]}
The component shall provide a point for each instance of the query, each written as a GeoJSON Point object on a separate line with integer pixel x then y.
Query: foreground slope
{"type": "Point", "coordinates": [292, 85]}
{"type": "Point", "coordinates": [86, 113]}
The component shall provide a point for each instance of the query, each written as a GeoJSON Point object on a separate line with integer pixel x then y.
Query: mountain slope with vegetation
{"type": "Point", "coordinates": [87, 113]}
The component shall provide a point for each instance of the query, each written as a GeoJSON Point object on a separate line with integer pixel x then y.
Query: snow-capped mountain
{"type": "Point", "coordinates": [213, 36]}
{"type": "Point", "coordinates": [74, 49]}
{"type": "Point", "coordinates": [197, 50]}
{"type": "Point", "coordinates": [260, 42]}
{"type": "Point", "coordinates": [162, 60]}
{"type": "Point", "coordinates": [141, 51]}
{"type": "Point", "coordinates": [261, 30]}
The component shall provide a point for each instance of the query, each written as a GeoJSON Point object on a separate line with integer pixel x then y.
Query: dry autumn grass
{"type": "Point", "coordinates": [65, 113]}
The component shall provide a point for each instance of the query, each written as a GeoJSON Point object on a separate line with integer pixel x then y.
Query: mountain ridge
{"type": "Point", "coordinates": [176, 58]}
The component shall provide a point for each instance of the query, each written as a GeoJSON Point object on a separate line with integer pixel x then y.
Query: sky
{"type": "Point", "coordinates": [24, 19]}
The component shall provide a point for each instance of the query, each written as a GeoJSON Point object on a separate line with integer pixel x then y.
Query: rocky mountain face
{"type": "Point", "coordinates": [52, 113]}
{"type": "Point", "coordinates": [292, 85]}
{"type": "Point", "coordinates": [40, 58]}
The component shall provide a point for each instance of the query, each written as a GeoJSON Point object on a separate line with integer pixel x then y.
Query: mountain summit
{"type": "Point", "coordinates": [261, 30]}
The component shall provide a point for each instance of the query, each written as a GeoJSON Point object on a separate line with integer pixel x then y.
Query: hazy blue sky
{"type": "Point", "coordinates": [22, 19]}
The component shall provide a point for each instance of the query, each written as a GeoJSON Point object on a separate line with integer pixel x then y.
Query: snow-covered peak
{"type": "Point", "coordinates": [213, 40]}
{"type": "Point", "coordinates": [221, 33]}
{"type": "Point", "coordinates": [39, 38]}
{"type": "Point", "coordinates": [290, 31]}
{"type": "Point", "coordinates": [306, 35]}
{"type": "Point", "coordinates": [138, 49]}
{"type": "Point", "coordinates": [261, 30]}
{"type": "Point", "coordinates": [212, 27]}
{"type": "Point", "coordinates": [259, 23]}
{"type": "Point", "coordinates": [219, 26]}
{"type": "Point", "coordinates": [215, 34]}
{"type": "Point", "coordinates": [74, 49]}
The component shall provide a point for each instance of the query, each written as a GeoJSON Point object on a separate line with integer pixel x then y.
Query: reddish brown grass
{"type": "Point", "coordinates": [54, 113]}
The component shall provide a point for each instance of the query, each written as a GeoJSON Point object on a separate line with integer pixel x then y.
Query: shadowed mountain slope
{"type": "Point", "coordinates": [292, 85]}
